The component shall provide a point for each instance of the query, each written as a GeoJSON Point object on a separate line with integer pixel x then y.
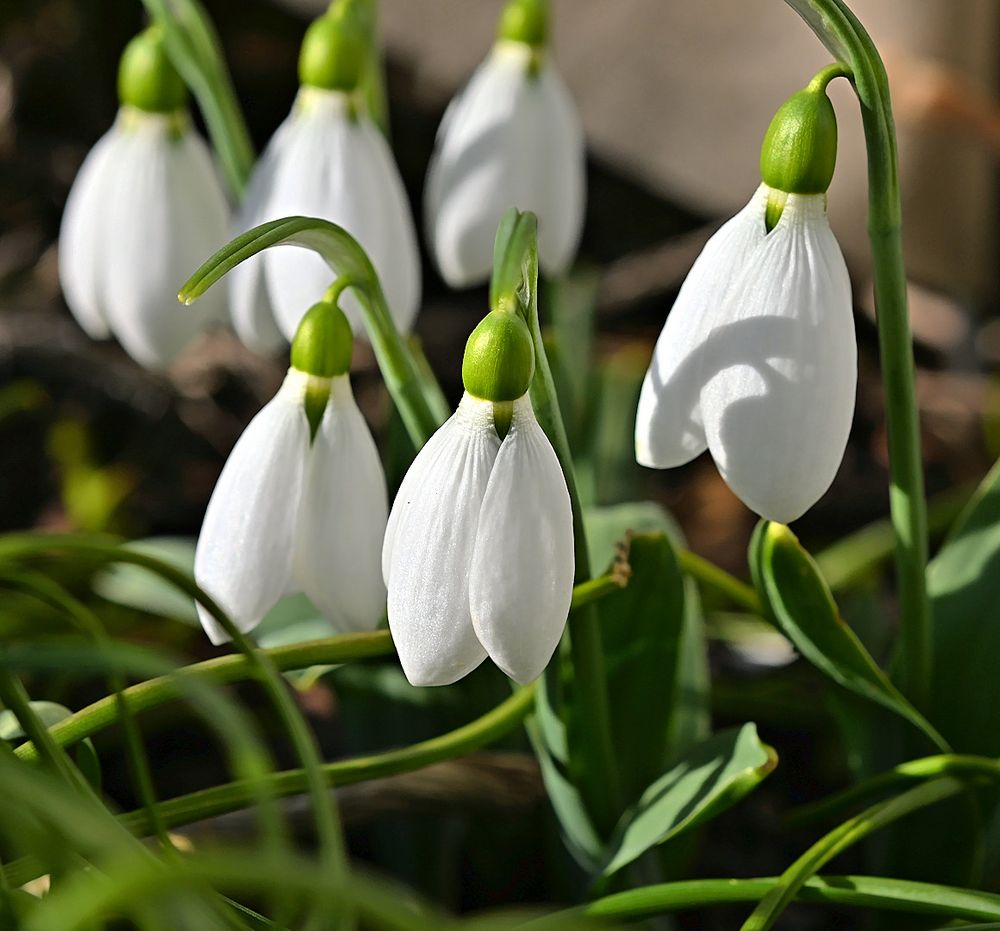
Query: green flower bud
{"type": "Point", "coordinates": [323, 342]}
{"type": "Point", "coordinates": [146, 78]}
{"type": "Point", "coordinates": [499, 358]}
{"type": "Point", "coordinates": [525, 21]}
{"type": "Point", "coordinates": [334, 52]}
{"type": "Point", "coordinates": [800, 149]}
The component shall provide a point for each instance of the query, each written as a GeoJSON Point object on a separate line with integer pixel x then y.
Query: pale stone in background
{"type": "Point", "coordinates": [678, 95]}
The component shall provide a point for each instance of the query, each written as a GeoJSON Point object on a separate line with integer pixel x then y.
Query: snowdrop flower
{"type": "Point", "coordinates": [478, 553]}
{"type": "Point", "coordinates": [511, 138]}
{"type": "Point", "coordinates": [328, 160]}
{"type": "Point", "coordinates": [301, 503]}
{"type": "Point", "coordinates": [757, 361]}
{"type": "Point", "coordinates": [145, 209]}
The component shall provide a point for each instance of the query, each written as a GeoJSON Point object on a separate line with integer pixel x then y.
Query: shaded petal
{"type": "Point", "coordinates": [338, 167]}
{"type": "Point", "coordinates": [510, 138]}
{"type": "Point", "coordinates": [668, 421]}
{"type": "Point", "coordinates": [81, 235]}
{"type": "Point", "coordinates": [779, 405]}
{"type": "Point", "coordinates": [429, 545]}
{"type": "Point", "coordinates": [244, 553]}
{"type": "Point", "coordinates": [166, 214]}
{"type": "Point", "coordinates": [521, 579]}
{"type": "Point", "coordinates": [342, 522]}
{"type": "Point", "coordinates": [249, 306]}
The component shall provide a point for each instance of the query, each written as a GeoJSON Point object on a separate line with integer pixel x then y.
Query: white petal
{"type": "Point", "coordinates": [338, 167]}
{"type": "Point", "coordinates": [166, 215]}
{"type": "Point", "coordinates": [509, 139]}
{"type": "Point", "coordinates": [342, 523]}
{"type": "Point", "coordinates": [778, 409]}
{"type": "Point", "coordinates": [668, 421]}
{"type": "Point", "coordinates": [81, 235]}
{"type": "Point", "coordinates": [521, 580]}
{"type": "Point", "coordinates": [429, 544]}
{"type": "Point", "coordinates": [244, 553]}
{"type": "Point", "coordinates": [249, 307]}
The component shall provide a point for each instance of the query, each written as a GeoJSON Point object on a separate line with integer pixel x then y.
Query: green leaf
{"type": "Point", "coordinates": [49, 713]}
{"type": "Point", "coordinates": [800, 602]}
{"type": "Point", "coordinates": [964, 585]}
{"type": "Point", "coordinates": [712, 777]}
{"type": "Point", "coordinates": [643, 628]}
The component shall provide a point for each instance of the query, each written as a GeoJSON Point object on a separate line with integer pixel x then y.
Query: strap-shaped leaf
{"type": "Point", "coordinates": [711, 777]}
{"type": "Point", "coordinates": [801, 604]}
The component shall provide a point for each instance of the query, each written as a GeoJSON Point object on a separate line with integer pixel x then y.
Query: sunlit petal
{"type": "Point", "coordinates": [429, 547]}
{"type": "Point", "coordinates": [780, 399]}
{"type": "Point", "coordinates": [668, 422]}
{"type": "Point", "coordinates": [521, 580]}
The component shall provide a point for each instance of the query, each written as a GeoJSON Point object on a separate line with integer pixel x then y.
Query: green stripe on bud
{"type": "Point", "coordinates": [525, 21]}
{"type": "Point", "coordinates": [499, 358]}
{"type": "Point", "coordinates": [334, 51]}
{"type": "Point", "coordinates": [322, 349]}
{"type": "Point", "coordinates": [800, 148]}
{"type": "Point", "coordinates": [146, 78]}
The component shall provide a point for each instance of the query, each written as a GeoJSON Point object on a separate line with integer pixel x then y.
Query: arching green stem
{"type": "Point", "coordinates": [847, 39]}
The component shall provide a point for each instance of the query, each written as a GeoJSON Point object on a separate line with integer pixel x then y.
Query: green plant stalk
{"type": "Point", "coordinates": [195, 52]}
{"type": "Point", "coordinates": [769, 908]}
{"type": "Point", "coordinates": [346, 259]}
{"type": "Point", "coordinates": [715, 577]}
{"type": "Point", "coordinates": [234, 667]}
{"type": "Point", "coordinates": [328, 825]}
{"type": "Point", "coordinates": [234, 796]}
{"type": "Point", "coordinates": [840, 30]}
{"type": "Point", "coordinates": [515, 277]}
{"type": "Point", "coordinates": [961, 766]}
{"type": "Point", "coordinates": [897, 895]}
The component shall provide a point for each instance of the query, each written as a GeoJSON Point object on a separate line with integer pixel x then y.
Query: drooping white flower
{"type": "Point", "coordinates": [511, 138]}
{"type": "Point", "coordinates": [288, 515]}
{"type": "Point", "coordinates": [145, 210]}
{"type": "Point", "coordinates": [757, 361]}
{"type": "Point", "coordinates": [478, 553]}
{"type": "Point", "coordinates": [328, 160]}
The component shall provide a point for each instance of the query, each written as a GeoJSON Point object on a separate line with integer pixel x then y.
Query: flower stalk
{"type": "Point", "coordinates": [841, 32]}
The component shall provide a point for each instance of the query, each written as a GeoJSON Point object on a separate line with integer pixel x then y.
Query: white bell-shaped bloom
{"type": "Point", "coordinates": [338, 550]}
{"type": "Point", "coordinates": [521, 580]}
{"type": "Point", "coordinates": [758, 360]}
{"type": "Point", "coordinates": [327, 160]}
{"type": "Point", "coordinates": [289, 516]}
{"type": "Point", "coordinates": [511, 138]}
{"type": "Point", "coordinates": [478, 554]}
{"type": "Point", "coordinates": [145, 210]}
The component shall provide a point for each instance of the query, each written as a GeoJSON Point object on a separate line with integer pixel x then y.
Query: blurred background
{"type": "Point", "coordinates": [675, 98]}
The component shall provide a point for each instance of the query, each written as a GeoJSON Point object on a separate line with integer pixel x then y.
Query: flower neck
{"type": "Point", "coordinates": [174, 125]}
{"type": "Point", "coordinates": [317, 103]}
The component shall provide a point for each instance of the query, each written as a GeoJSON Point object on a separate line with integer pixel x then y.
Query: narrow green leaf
{"type": "Point", "coordinates": [140, 588]}
{"type": "Point", "coordinates": [712, 777]}
{"type": "Point", "coordinates": [643, 628]}
{"type": "Point", "coordinates": [964, 585]}
{"type": "Point", "coordinates": [801, 604]}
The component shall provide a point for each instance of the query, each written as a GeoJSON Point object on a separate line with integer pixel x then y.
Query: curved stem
{"type": "Point", "coordinates": [233, 796]}
{"type": "Point", "coordinates": [716, 577]}
{"type": "Point", "coordinates": [961, 766]}
{"type": "Point", "coordinates": [235, 667]}
{"type": "Point", "coordinates": [839, 839]}
{"type": "Point", "coordinates": [898, 895]}
{"type": "Point", "coordinates": [840, 30]}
